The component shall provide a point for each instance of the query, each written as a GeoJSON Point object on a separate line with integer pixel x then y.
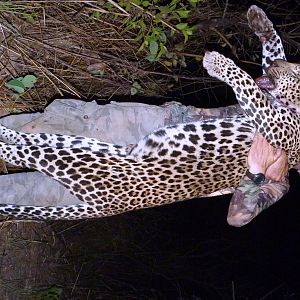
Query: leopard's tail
{"type": "Point", "coordinates": [67, 212]}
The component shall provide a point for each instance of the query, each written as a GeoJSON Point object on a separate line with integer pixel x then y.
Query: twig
{"type": "Point", "coordinates": [225, 40]}
{"type": "Point", "coordinates": [151, 15]}
{"type": "Point", "coordinates": [119, 7]}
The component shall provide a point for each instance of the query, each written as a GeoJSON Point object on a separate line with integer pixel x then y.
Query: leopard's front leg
{"type": "Point", "coordinates": [266, 118]}
{"type": "Point", "coordinates": [58, 141]}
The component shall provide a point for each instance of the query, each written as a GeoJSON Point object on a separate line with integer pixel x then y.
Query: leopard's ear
{"type": "Point", "coordinates": [296, 70]}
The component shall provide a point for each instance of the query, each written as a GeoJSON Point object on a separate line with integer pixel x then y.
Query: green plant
{"type": "Point", "coordinates": [52, 293]}
{"type": "Point", "coordinates": [154, 23]}
{"type": "Point", "coordinates": [26, 12]}
{"type": "Point", "coordinates": [21, 84]}
{"type": "Point", "coordinates": [135, 88]}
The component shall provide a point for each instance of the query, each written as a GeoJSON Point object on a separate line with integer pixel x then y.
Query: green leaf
{"type": "Point", "coordinates": [153, 46]}
{"type": "Point", "coordinates": [183, 13]}
{"type": "Point", "coordinates": [108, 6]}
{"type": "Point", "coordinates": [52, 293]}
{"type": "Point", "coordinates": [164, 9]}
{"type": "Point", "coordinates": [193, 3]}
{"type": "Point", "coordinates": [145, 3]}
{"type": "Point", "coordinates": [145, 43]}
{"type": "Point", "coordinates": [186, 36]}
{"type": "Point", "coordinates": [163, 37]}
{"type": "Point", "coordinates": [29, 17]}
{"type": "Point", "coordinates": [137, 2]}
{"type": "Point", "coordinates": [137, 85]}
{"type": "Point", "coordinates": [16, 85]}
{"type": "Point", "coordinates": [162, 50]}
{"type": "Point", "coordinates": [149, 38]}
{"type": "Point", "coordinates": [133, 91]}
{"type": "Point", "coordinates": [29, 81]}
{"type": "Point", "coordinates": [187, 32]}
{"type": "Point", "coordinates": [151, 57]}
{"type": "Point", "coordinates": [199, 57]}
{"type": "Point", "coordinates": [181, 26]}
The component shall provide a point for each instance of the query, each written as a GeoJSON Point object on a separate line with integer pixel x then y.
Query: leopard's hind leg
{"type": "Point", "coordinates": [272, 47]}
{"type": "Point", "coordinates": [81, 172]}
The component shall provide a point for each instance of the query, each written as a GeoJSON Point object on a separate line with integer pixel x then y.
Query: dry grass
{"type": "Point", "coordinates": [62, 43]}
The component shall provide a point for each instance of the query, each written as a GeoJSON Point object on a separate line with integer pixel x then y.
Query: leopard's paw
{"type": "Point", "coordinates": [216, 64]}
{"type": "Point", "coordinates": [259, 23]}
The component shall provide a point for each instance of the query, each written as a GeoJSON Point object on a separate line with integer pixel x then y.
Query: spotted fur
{"type": "Point", "coordinates": [171, 164]}
{"type": "Point", "coordinates": [279, 125]}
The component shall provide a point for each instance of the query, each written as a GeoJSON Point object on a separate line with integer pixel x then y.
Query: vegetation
{"type": "Point", "coordinates": [101, 49]}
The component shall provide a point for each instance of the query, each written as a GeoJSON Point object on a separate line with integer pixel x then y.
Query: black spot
{"type": "Point", "coordinates": [60, 173]}
{"type": "Point", "coordinates": [268, 60]}
{"type": "Point", "coordinates": [209, 137]}
{"type": "Point", "coordinates": [20, 154]}
{"type": "Point", "coordinates": [208, 127]}
{"type": "Point", "coordinates": [226, 133]}
{"type": "Point", "coordinates": [189, 127]}
{"type": "Point", "coordinates": [77, 150]}
{"type": "Point", "coordinates": [60, 139]}
{"type": "Point", "coordinates": [179, 136]}
{"type": "Point", "coordinates": [244, 100]}
{"type": "Point", "coordinates": [51, 169]}
{"type": "Point", "coordinates": [173, 144]}
{"type": "Point", "coordinates": [43, 136]}
{"type": "Point", "coordinates": [61, 165]}
{"type": "Point", "coordinates": [31, 160]}
{"type": "Point", "coordinates": [252, 107]}
{"type": "Point", "coordinates": [226, 124]}
{"type": "Point", "coordinates": [84, 182]}
{"type": "Point", "coordinates": [241, 137]}
{"type": "Point", "coordinates": [194, 138]}
{"type": "Point", "coordinates": [175, 153]}
{"type": "Point", "coordinates": [77, 164]}
{"type": "Point", "coordinates": [163, 152]}
{"type": "Point", "coordinates": [205, 146]}
{"type": "Point", "coordinates": [189, 149]}
{"type": "Point", "coordinates": [36, 154]}
{"type": "Point", "coordinates": [71, 171]}
{"type": "Point", "coordinates": [68, 159]}
{"type": "Point", "coordinates": [151, 143]}
{"type": "Point", "coordinates": [87, 158]}
{"type": "Point", "coordinates": [249, 112]}
{"type": "Point", "coordinates": [48, 150]}
{"type": "Point", "coordinates": [43, 163]}
{"type": "Point", "coordinates": [245, 129]}
{"type": "Point", "coordinates": [160, 132]}
{"type": "Point", "coordinates": [50, 157]}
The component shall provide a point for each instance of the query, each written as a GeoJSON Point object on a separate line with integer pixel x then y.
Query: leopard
{"type": "Point", "coordinates": [173, 163]}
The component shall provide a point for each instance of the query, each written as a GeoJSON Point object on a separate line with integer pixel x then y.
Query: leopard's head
{"type": "Point", "coordinates": [282, 81]}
